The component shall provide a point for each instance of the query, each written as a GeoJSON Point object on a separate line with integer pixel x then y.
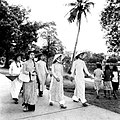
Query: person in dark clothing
{"type": "Point", "coordinates": [107, 85]}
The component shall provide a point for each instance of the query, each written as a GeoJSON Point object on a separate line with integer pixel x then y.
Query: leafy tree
{"type": "Point", "coordinates": [110, 22]}
{"type": "Point", "coordinates": [79, 7]}
{"type": "Point", "coordinates": [16, 31]}
{"type": "Point", "coordinates": [95, 57]}
{"type": "Point", "coordinates": [54, 45]}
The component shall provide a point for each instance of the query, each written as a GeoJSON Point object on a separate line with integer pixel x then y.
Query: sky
{"type": "Point", "coordinates": [91, 36]}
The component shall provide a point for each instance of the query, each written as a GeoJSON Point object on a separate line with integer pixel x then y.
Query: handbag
{"type": "Point", "coordinates": [23, 77]}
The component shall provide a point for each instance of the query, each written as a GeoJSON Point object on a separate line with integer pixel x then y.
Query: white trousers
{"type": "Point", "coordinates": [79, 92]}
{"type": "Point", "coordinates": [15, 88]}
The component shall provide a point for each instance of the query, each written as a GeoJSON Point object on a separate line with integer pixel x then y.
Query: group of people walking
{"type": "Point", "coordinates": [38, 73]}
{"type": "Point", "coordinates": [110, 79]}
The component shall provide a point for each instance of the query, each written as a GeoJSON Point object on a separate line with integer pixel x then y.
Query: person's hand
{"type": "Point", "coordinates": [92, 77]}
{"type": "Point", "coordinates": [58, 80]}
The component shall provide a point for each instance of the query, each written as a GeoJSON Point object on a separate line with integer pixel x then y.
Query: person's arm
{"type": "Point", "coordinates": [53, 74]}
{"type": "Point", "coordinates": [86, 70]}
{"type": "Point", "coordinates": [46, 70]}
{"type": "Point", "coordinates": [37, 68]}
{"type": "Point", "coordinates": [73, 69]}
{"type": "Point", "coordinates": [11, 68]}
{"type": "Point", "coordinates": [24, 70]}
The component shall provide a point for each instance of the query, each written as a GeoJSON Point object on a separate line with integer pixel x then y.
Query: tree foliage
{"type": "Point", "coordinates": [54, 45]}
{"type": "Point", "coordinates": [110, 22]}
{"type": "Point", "coordinates": [95, 57]}
{"type": "Point", "coordinates": [16, 31]}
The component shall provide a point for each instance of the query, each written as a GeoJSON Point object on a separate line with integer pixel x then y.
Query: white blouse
{"type": "Point", "coordinates": [15, 68]}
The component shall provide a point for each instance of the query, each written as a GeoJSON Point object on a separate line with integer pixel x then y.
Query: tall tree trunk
{"type": "Point", "coordinates": [79, 23]}
{"type": "Point", "coordinates": [48, 52]}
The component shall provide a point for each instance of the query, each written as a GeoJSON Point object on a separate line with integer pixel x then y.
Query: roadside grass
{"type": "Point", "coordinates": [112, 105]}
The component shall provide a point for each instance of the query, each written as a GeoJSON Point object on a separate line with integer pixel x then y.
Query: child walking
{"type": "Point", "coordinates": [107, 81]}
{"type": "Point", "coordinates": [98, 74]}
{"type": "Point", "coordinates": [115, 81]}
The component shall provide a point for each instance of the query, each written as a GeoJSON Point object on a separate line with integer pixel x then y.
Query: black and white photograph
{"type": "Point", "coordinates": [59, 59]}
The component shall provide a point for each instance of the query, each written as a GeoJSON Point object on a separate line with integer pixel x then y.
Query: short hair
{"type": "Point", "coordinates": [99, 66]}
{"type": "Point", "coordinates": [115, 68]}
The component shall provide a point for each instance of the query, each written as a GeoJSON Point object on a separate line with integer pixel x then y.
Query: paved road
{"type": "Point", "coordinates": [74, 111]}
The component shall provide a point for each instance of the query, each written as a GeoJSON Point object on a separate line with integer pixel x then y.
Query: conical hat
{"type": "Point", "coordinates": [56, 56]}
{"type": "Point", "coordinates": [79, 52]}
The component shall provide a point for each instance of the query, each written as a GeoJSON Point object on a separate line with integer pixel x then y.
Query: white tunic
{"type": "Point", "coordinates": [56, 88]}
{"type": "Point", "coordinates": [16, 85]}
{"type": "Point", "coordinates": [42, 73]}
{"type": "Point", "coordinates": [78, 69]}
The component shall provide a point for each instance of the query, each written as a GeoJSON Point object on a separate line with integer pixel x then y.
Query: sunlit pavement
{"type": "Point", "coordinates": [74, 111]}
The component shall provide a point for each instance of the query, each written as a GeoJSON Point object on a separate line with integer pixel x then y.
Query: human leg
{"type": "Point", "coordinates": [62, 104]}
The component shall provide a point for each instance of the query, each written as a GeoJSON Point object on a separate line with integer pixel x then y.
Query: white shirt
{"type": "Point", "coordinates": [15, 68]}
{"type": "Point", "coordinates": [115, 78]}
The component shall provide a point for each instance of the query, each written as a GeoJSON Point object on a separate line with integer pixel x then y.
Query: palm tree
{"type": "Point", "coordinates": [79, 7]}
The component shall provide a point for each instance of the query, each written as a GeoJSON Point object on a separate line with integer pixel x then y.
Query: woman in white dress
{"type": "Point", "coordinates": [56, 86]}
{"type": "Point", "coordinates": [78, 69]}
{"type": "Point", "coordinates": [42, 75]}
{"type": "Point", "coordinates": [16, 84]}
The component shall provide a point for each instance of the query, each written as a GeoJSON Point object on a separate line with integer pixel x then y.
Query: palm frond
{"type": "Point", "coordinates": [70, 4]}
{"type": "Point", "coordinates": [87, 6]}
{"type": "Point", "coordinates": [90, 3]}
{"type": "Point", "coordinates": [73, 15]}
{"type": "Point", "coordinates": [71, 10]}
{"type": "Point", "coordinates": [86, 1]}
{"type": "Point", "coordinates": [85, 15]}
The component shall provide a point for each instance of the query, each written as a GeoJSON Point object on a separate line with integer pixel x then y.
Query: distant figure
{"type": "Point", "coordinates": [78, 72]}
{"type": "Point", "coordinates": [98, 74]}
{"type": "Point", "coordinates": [42, 74]}
{"type": "Point", "coordinates": [115, 81]}
{"type": "Point", "coordinates": [14, 69]}
{"type": "Point", "coordinates": [107, 85]}
{"type": "Point", "coordinates": [56, 85]}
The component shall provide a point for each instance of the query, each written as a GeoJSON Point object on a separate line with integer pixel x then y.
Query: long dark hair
{"type": "Point", "coordinates": [17, 55]}
{"type": "Point", "coordinates": [115, 68]}
{"type": "Point", "coordinates": [107, 67]}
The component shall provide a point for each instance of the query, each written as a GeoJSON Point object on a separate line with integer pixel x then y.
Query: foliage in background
{"type": "Point", "coordinates": [54, 45]}
{"type": "Point", "coordinates": [110, 22]}
{"type": "Point", "coordinates": [16, 31]}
